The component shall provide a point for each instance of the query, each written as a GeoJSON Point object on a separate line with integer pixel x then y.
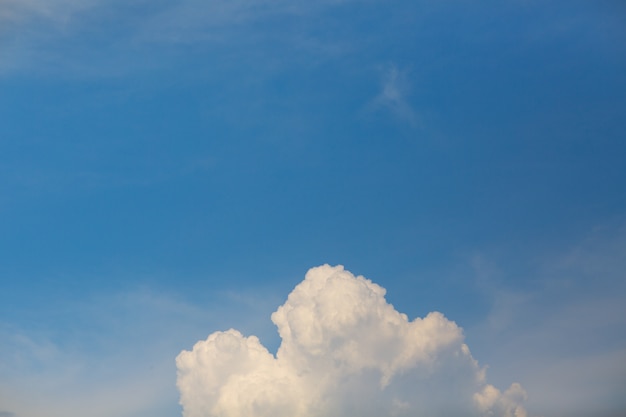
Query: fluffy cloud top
{"type": "Point", "coordinates": [345, 351]}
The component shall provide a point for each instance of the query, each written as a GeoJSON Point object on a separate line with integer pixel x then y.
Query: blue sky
{"type": "Point", "coordinates": [172, 168]}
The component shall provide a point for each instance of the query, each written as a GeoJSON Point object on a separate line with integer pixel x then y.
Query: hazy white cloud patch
{"type": "Point", "coordinates": [112, 356]}
{"type": "Point", "coordinates": [344, 351]}
{"type": "Point", "coordinates": [393, 96]}
{"type": "Point", "coordinates": [567, 331]}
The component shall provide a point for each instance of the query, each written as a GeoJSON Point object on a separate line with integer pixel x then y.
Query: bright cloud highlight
{"type": "Point", "coordinates": [345, 351]}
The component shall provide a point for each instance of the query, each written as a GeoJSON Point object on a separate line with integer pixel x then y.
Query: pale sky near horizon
{"type": "Point", "coordinates": [169, 169]}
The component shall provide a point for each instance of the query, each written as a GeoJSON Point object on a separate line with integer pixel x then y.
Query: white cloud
{"type": "Point", "coordinates": [393, 96]}
{"type": "Point", "coordinates": [344, 351]}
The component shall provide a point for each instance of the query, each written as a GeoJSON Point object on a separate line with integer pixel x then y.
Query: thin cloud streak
{"type": "Point", "coordinates": [36, 33]}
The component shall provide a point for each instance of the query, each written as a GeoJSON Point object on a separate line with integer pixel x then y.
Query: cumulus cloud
{"type": "Point", "coordinates": [344, 351]}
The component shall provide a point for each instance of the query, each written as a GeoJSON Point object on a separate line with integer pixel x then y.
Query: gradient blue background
{"type": "Point", "coordinates": [168, 169]}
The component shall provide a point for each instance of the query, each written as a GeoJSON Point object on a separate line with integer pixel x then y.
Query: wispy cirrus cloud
{"type": "Point", "coordinates": [394, 96]}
